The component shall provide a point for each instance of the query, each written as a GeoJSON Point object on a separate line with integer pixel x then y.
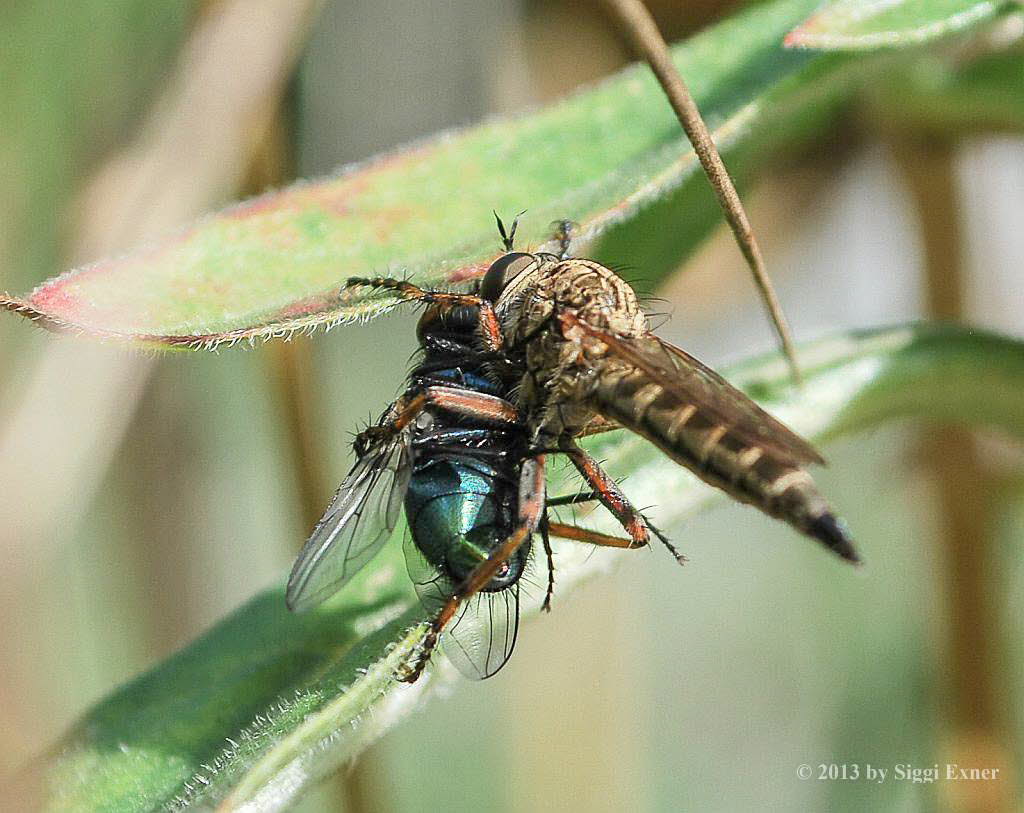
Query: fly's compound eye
{"type": "Point", "coordinates": [502, 271]}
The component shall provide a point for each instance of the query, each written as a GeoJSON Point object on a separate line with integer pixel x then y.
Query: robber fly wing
{"type": "Point", "coordinates": [744, 417]}
{"type": "Point", "coordinates": [355, 525]}
{"type": "Point", "coordinates": [695, 383]}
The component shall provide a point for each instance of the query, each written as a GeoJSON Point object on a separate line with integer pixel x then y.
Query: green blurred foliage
{"type": "Point", "coordinates": [861, 25]}
{"type": "Point", "coordinates": [76, 77]}
{"type": "Point", "coordinates": [245, 712]}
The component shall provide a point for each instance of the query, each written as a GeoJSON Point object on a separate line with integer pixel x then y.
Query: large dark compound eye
{"type": "Point", "coordinates": [502, 271]}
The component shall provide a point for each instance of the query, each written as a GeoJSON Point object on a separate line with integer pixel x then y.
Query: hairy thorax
{"type": "Point", "coordinates": [560, 364]}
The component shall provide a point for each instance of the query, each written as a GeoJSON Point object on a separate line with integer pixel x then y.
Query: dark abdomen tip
{"type": "Point", "coordinates": [832, 532]}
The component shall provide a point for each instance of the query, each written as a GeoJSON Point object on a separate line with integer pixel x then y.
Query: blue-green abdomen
{"type": "Point", "coordinates": [459, 510]}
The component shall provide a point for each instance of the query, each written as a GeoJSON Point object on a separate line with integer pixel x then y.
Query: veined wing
{"type": "Point", "coordinates": [479, 640]}
{"type": "Point", "coordinates": [695, 383]}
{"type": "Point", "coordinates": [736, 409]}
{"type": "Point", "coordinates": [355, 525]}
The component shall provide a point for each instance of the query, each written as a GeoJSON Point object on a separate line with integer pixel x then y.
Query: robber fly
{"type": "Point", "coordinates": [585, 353]}
{"type": "Point", "coordinates": [547, 350]}
{"type": "Point", "coordinates": [453, 450]}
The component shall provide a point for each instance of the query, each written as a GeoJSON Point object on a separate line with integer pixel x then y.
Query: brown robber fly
{"type": "Point", "coordinates": [587, 359]}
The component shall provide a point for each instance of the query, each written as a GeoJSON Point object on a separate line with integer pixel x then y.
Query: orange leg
{"type": "Point", "coordinates": [490, 328]}
{"type": "Point", "coordinates": [608, 492]}
{"type": "Point", "coordinates": [611, 497]}
{"type": "Point", "coordinates": [488, 408]}
{"type": "Point", "coordinates": [579, 534]}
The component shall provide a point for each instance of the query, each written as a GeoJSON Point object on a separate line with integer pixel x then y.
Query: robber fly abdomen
{"type": "Point", "coordinates": [706, 443]}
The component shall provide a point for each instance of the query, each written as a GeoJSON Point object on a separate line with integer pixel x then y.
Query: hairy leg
{"type": "Point", "coordinates": [490, 329]}
{"type": "Point", "coordinates": [477, 405]}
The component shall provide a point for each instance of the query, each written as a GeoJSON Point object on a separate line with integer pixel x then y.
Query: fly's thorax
{"type": "Point", "coordinates": [459, 511]}
{"type": "Point", "coordinates": [596, 294]}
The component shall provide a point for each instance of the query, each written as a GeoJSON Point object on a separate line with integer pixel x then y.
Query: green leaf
{"type": "Point", "coordinates": [861, 25]}
{"type": "Point", "coordinates": [274, 264]}
{"type": "Point", "coordinates": [266, 702]}
{"type": "Point", "coordinates": [938, 99]}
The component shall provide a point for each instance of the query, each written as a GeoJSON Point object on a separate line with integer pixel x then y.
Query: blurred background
{"type": "Point", "coordinates": [142, 498]}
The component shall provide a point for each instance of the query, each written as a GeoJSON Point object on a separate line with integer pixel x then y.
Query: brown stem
{"type": "Point", "coordinates": [293, 377]}
{"type": "Point", "coordinates": [966, 486]}
{"type": "Point", "coordinates": [642, 32]}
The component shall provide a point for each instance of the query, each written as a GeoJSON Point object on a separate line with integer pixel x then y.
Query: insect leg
{"type": "Point", "coordinates": [608, 492]}
{"type": "Point", "coordinates": [531, 509]}
{"type": "Point", "coordinates": [546, 539]}
{"type": "Point", "coordinates": [490, 328]}
{"type": "Point", "coordinates": [583, 535]}
{"type": "Point", "coordinates": [597, 425]}
{"type": "Point", "coordinates": [563, 231]}
{"type": "Point", "coordinates": [478, 405]}
{"type": "Point", "coordinates": [573, 499]}
{"type": "Point", "coordinates": [579, 534]}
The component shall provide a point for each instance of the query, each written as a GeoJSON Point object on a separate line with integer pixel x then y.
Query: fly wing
{"type": "Point", "coordinates": [695, 383]}
{"type": "Point", "coordinates": [735, 408]}
{"type": "Point", "coordinates": [479, 640]}
{"type": "Point", "coordinates": [355, 525]}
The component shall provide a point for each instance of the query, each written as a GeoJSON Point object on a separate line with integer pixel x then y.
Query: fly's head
{"type": "Point", "coordinates": [518, 284]}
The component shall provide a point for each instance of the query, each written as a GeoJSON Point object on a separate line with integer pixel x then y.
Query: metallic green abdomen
{"type": "Point", "coordinates": [459, 511]}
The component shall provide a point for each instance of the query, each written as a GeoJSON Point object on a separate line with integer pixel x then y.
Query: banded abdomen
{"type": "Point", "coordinates": [702, 422]}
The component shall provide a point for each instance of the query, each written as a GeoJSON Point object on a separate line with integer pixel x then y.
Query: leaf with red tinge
{"type": "Point", "coordinates": [857, 25]}
{"type": "Point", "coordinates": [276, 264]}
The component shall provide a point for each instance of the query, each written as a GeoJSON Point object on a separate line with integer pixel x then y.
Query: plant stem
{"type": "Point", "coordinates": [641, 31]}
{"type": "Point", "coordinates": [966, 488]}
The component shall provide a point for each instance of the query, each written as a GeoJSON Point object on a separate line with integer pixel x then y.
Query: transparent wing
{"type": "Point", "coordinates": [481, 637]}
{"type": "Point", "coordinates": [695, 383]}
{"type": "Point", "coordinates": [357, 523]}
